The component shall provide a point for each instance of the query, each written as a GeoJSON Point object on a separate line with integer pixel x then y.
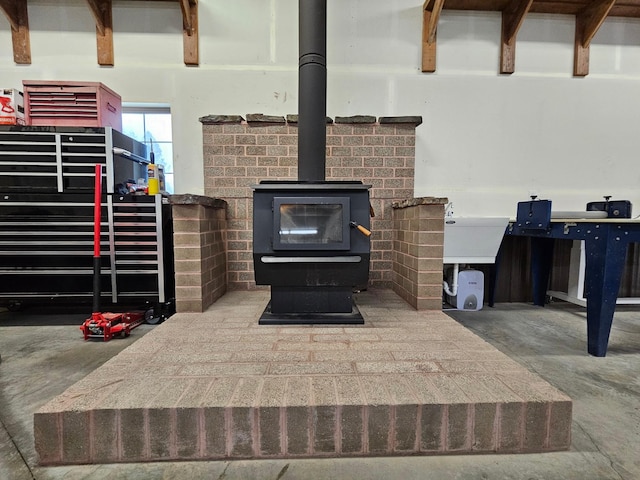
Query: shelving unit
{"type": "Point", "coordinates": [590, 14]}
{"type": "Point", "coordinates": [102, 11]}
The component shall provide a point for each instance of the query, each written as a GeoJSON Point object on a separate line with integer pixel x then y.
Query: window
{"type": "Point", "coordinates": [151, 124]}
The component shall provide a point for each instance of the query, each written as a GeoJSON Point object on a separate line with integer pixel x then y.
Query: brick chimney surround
{"type": "Point", "coordinates": [408, 233]}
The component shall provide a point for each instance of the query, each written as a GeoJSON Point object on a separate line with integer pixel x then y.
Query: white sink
{"type": "Point", "coordinates": [473, 239]}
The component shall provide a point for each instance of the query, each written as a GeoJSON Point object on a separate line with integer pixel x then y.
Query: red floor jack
{"type": "Point", "coordinates": [109, 325]}
{"type": "Point", "coordinates": [106, 325]}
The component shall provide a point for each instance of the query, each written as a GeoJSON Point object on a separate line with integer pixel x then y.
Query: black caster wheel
{"type": "Point", "coordinates": [14, 306]}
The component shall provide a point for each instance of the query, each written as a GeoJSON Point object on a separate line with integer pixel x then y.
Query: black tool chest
{"type": "Point", "coordinates": [62, 159]}
{"type": "Point", "coordinates": [46, 220]}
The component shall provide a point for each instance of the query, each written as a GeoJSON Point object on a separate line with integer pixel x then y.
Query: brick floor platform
{"type": "Point", "coordinates": [216, 385]}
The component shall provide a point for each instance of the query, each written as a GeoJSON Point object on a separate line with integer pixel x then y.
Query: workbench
{"type": "Point", "coordinates": [606, 241]}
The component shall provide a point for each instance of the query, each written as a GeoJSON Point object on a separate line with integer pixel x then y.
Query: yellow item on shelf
{"type": "Point", "coordinates": [152, 179]}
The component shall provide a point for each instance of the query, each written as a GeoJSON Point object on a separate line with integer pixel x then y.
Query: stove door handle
{"type": "Point", "coordinates": [335, 259]}
{"type": "Point", "coordinates": [366, 232]}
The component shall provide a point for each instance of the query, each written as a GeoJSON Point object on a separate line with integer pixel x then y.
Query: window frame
{"type": "Point", "coordinates": [153, 109]}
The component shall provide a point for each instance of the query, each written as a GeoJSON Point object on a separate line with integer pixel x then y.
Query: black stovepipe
{"type": "Point", "coordinates": [312, 90]}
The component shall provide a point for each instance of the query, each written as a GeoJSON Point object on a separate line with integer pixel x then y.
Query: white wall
{"type": "Point", "coordinates": [487, 140]}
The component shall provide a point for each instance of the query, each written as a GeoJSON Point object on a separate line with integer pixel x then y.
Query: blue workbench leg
{"type": "Point", "coordinates": [541, 260]}
{"type": "Point", "coordinates": [605, 254]}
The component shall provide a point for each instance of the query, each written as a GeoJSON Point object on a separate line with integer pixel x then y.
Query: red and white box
{"type": "Point", "coordinates": [11, 107]}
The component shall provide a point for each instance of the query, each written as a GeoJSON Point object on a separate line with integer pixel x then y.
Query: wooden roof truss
{"type": "Point", "coordinates": [102, 11]}
{"type": "Point", "coordinates": [590, 14]}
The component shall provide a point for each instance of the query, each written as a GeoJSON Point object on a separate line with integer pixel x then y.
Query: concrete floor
{"type": "Point", "coordinates": [39, 362]}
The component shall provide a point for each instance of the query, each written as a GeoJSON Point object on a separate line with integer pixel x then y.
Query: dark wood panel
{"type": "Point", "coordinates": [513, 273]}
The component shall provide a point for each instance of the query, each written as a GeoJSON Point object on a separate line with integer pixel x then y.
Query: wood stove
{"type": "Point", "coordinates": [311, 236]}
{"type": "Point", "coordinates": [311, 244]}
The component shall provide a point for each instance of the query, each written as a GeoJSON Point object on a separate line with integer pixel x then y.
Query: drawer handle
{"type": "Point", "coordinates": [111, 108]}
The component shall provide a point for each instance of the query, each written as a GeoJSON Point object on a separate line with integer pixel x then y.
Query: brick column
{"type": "Point", "coordinates": [418, 244]}
{"type": "Point", "coordinates": [199, 231]}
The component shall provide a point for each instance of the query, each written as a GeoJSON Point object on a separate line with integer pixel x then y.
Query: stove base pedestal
{"type": "Point", "coordinates": [311, 305]}
{"type": "Point", "coordinates": [311, 299]}
{"type": "Point", "coordinates": [354, 317]}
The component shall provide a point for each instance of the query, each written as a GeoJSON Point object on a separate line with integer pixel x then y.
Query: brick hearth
{"type": "Point", "coordinates": [215, 385]}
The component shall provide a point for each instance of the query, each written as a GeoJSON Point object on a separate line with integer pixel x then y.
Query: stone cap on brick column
{"type": "Point", "coordinates": [191, 199]}
{"type": "Point", "coordinates": [357, 119]}
{"type": "Point", "coordinates": [261, 118]}
{"type": "Point", "coordinates": [220, 119]}
{"type": "Point", "coordinates": [412, 202]}
{"type": "Point", "coordinates": [417, 120]}
{"type": "Point", "coordinates": [292, 118]}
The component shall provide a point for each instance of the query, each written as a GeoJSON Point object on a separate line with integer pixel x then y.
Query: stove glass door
{"type": "Point", "coordinates": [311, 223]}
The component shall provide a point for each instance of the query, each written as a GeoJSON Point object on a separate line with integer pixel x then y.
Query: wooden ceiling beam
{"type": "Point", "coordinates": [512, 18]}
{"type": "Point", "coordinates": [593, 16]}
{"type": "Point", "coordinates": [190, 32]}
{"type": "Point", "coordinates": [16, 13]}
{"type": "Point", "coordinates": [588, 21]}
{"type": "Point", "coordinates": [622, 8]}
{"type": "Point", "coordinates": [435, 7]}
{"type": "Point", "coordinates": [430, 15]}
{"type": "Point", "coordinates": [102, 11]}
{"type": "Point", "coordinates": [185, 7]}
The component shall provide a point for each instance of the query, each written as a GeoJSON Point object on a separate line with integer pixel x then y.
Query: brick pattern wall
{"type": "Point", "coordinates": [418, 230]}
{"type": "Point", "coordinates": [240, 154]}
{"type": "Point", "coordinates": [200, 257]}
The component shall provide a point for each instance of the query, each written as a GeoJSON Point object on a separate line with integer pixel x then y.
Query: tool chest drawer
{"type": "Point", "coordinates": [63, 159]}
{"type": "Point", "coordinates": [46, 248]}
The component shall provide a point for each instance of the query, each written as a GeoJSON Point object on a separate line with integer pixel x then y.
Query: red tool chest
{"type": "Point", "coordinates": [67, 103]}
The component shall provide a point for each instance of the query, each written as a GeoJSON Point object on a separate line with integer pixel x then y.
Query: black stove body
{"type": "Point", "coordinates": [308, 247]}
